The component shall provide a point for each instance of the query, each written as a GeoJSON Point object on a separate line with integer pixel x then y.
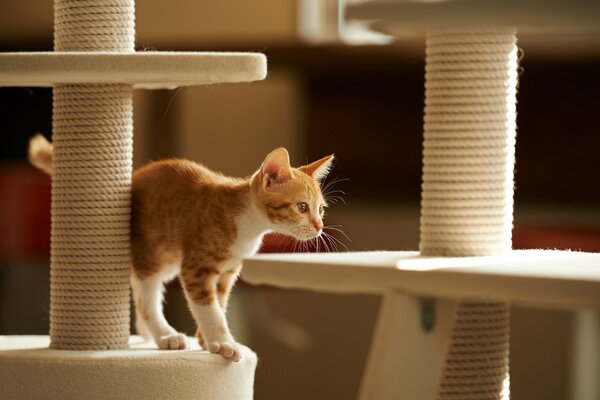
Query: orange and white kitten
{"type": "Point", "coordinates": [191, 222]}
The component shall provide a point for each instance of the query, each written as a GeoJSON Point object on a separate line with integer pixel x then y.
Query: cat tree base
{"type": "Point", "coordinates": [30, 370]}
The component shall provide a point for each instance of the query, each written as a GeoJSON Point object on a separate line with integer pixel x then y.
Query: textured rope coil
{"type": "Point", "coordinates": [476, 365]}
{"type": "Point", "coordinates": [94, 25]}
{"type": "Point", "coordinates": [91, 186]}
{"type": "Point", "coordinates": [467, 192]}
{"type": "Point", "coordinates": [90, 218]}
{"type": "Point", "coordinates": [468, 155]}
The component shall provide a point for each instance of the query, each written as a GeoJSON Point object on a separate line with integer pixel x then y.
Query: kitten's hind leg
{"type": "Point", "coordinates": [148, 296]}
{"type": "Point", "coordinates": [140, 326]}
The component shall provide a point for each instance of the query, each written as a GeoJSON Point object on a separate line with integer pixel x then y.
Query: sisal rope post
{"type": "Point", "coordinates": [467, 191]}
{"type": "Point", "coordinates": [91, 185]}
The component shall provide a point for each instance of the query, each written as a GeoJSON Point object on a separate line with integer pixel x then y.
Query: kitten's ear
{"type": "Point", "coordinates": [320, 168]}
{"type": "Point", "coordinates": [276, 167]}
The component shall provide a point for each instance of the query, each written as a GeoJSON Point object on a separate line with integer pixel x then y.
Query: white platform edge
{"type": "Point", "coordinates": [532, 16]}
{"type": "Point", "coordinates": [29, 369]}
{"type": "Point", "coordinates": [143, 70]}
{"type": "Point", "coordinates": [547, 278]}
{"type": "Point", "coordinates": [140, 349]}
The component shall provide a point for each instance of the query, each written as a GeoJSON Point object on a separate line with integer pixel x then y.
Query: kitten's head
{"type": "Point", "coordinates": [291, 198]}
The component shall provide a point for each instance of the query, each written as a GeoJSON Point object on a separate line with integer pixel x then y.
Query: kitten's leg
{"type": "Point", "coordinates": [200, 336]}
{"type": "Point", "coordinates": [148, 294]}
{"type": "Point", "coordinates": [200, 284]}
{"type": "Point", "coordinates": [140, 325]}
{"type": "Point", "coordinates": [224, 286]}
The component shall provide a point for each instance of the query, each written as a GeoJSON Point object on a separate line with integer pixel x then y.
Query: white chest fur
{"type": "Point", "coordinates": [251, 227]}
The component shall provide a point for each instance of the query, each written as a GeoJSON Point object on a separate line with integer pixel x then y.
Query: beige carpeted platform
{"type": "Point", "coordinates": [29, 370]}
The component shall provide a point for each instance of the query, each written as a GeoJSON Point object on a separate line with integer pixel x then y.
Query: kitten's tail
{"type": "Point", "coordinates": [40, 153]}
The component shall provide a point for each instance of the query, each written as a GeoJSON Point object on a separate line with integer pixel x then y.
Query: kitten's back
{"type": "Point", "coordinates": [175, 170]}
{"type": "Point", "coordinates": [174, 199]}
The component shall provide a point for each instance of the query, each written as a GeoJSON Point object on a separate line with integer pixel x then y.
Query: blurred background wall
{"type": "Point", "coordinates": [363, 103]}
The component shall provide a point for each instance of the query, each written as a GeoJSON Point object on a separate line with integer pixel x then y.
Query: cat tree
{"type": "Point", "coordinates": [93, 70]}
{"type": "Point", "coordinates": [465, 276]}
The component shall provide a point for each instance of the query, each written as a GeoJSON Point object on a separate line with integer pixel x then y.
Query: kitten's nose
{"type": "Point", "coordinates": [318, 226]}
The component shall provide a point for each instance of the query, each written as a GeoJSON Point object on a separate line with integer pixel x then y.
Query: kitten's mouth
{"type": "Point", "coordinates": [302, 235]}
{"type": "Point", "coordinates": [307, 238]}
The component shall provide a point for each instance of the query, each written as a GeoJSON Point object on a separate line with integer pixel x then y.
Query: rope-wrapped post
{"type": "Point", "coordinates": [91, 185]}
{"type": "Point", "coordinates": [467, 192]}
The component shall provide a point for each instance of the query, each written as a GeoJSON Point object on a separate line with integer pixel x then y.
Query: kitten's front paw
{"type": "Point", "coordinates": [230, 350]}
{"type": "Point", "coordinates": [175, 341]}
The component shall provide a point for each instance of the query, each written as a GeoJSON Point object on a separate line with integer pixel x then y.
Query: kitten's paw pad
{"type": "Point", "coordinates": [230, 350]}
{"type": "Point", "coordinates": [175, 341]}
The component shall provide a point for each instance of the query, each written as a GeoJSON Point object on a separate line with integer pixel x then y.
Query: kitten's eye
{"type": "Point", "coordinates": [302, 207]}
{"type": "Point", "coordinates": [321, 209]}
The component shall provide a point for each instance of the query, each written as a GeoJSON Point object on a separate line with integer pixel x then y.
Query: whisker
{"type": "Point", "coordinates": [331, 191]}
{"type": "Point", "coordinates": [328, 197]}
{"type": "Point", "coordinates": [338, 241]}
{"type": "Point", "coordinates": [337, 247]}
{"type": "Point", "coordinates": [331, 242]}
{"type": "Point", "coordinates": [322, 238]}
{"type": "Point", "coordinates": [332, 227]}
{"type": "Point", "coordinates": [327, 240]}
{"type": "Point", "coordinates": [294, 239]}
{"type": "Point", "coordinates": [335, 199]}
{"type": "Point", "coordinates": [333, 182]}
{"type": "Point", "coordinates": [300, 243]}
{"type": "Point", "coordinates": [289, 240]}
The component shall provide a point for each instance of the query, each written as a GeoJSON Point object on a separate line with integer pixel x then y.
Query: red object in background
{"type": "Point", "coordinates": [587, 240]}
{"type": "Point", "coordinates": [25, 216]}
{"type": "Point", "coordinates": [576, 239]}
{"type": "Point", "coordinates": [275, 243]}
{"type": "Point", "coordinates": [24, 212]}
